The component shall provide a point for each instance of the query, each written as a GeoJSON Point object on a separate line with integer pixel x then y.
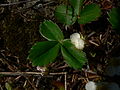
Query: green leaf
{"type": "Point", "coordinates": [77, 5]}
{"type": "Point", "coordinates": [64, 14]}
{"type": "Point", "coordinates": [43, 53]}
{"type": "Point", "coordinates": [51, 31]}
{"type": "Point", "coordinates": [8, 86]}
{"type": "Point", "coordinates": [89, 13]}
{"type": "Point", "coordinates": [74, 57]}
{"type": "Point", "coordinates": [114, 18]}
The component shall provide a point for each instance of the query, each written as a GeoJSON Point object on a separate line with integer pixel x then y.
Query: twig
{"type": "Point", "coordinates": [90, 77]}
{"type": "Point", "coordinates": [1, 87]}
{"type": "Point", "coordinates": [4, 60]}
{"type": "Point", "coordinates": [15, 3]}
{"type": "Point", "coordinates": [20, 2]}
{"type": "Point", "coordinates": [60, 73]}
{"type": "Point", "coordinates": [65, 81]}
{"type": "Point", "coordinates": [20, 73]}
{"type": "Point", "coordinates": [92, 33]}
{"type": "Point", "coordinates": [89, 71]}
{"type": "Point", "coordinates": [29, 73]}
{"type": "Point", "coordinates": [90, 41]}
{"type": "Point", "coordinates": [31, 84]}
{"type": "Point", "coordinates": [35, 73]}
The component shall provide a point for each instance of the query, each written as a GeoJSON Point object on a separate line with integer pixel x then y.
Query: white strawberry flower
{"type": "Point", "coordinates": [102, 86]}
{"type": "Point", "coordinates": [77, 40]}
{"type": "Point", "coordinates": [90, 86]}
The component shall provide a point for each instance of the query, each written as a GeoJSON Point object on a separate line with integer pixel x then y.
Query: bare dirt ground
{"type": "Point", "coordinates": [19, 30]}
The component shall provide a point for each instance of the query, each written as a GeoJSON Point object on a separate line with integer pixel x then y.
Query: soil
{"type": "Point", "coordinates": [19, 30]}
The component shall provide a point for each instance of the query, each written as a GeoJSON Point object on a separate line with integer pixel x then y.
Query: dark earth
{"type": "Point", "coordinates": [19, 30]}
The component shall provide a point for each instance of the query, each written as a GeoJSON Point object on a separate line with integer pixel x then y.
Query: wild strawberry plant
{"type": "Point", "coordinates": [43, 53]}
{"type": "Point", "coordinates": [114, 18]}
{"type": "Point", "coordinates": [76, 11]}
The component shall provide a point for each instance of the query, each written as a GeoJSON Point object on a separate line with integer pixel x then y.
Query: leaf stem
{"type": "Point", "coordinates": [81, 29]}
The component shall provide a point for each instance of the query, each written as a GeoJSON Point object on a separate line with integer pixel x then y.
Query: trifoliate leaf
{"type": "Point", "coordinates": [77, 5]}
{"type": "Point", "coordinates": [64, 14]}
{"type": "Point", "coordinates": [51, 31]}
{"type": "Point", "coordinates": [114, 18]}
{"type": "Point", "coordinates": [43, 53]}
{"type": "Point", "coordinates": [74, 57]}
{"type": "Point", "coordinates": [89, 13]}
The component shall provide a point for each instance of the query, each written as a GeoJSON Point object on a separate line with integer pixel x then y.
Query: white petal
{"type": "Point", "coordinates": [90, 86]}
{"type": "Point", "coordinates": [74, 41]}
{"type": "Point", "coordinates": [74, 36]}
{"type": "Point", "coordinates": [81, 44]}
{"type": "Point", "coordinates": [77, 41]}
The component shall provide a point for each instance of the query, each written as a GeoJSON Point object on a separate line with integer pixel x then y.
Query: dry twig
{"type": "Point", "coordinates": [15, 3]}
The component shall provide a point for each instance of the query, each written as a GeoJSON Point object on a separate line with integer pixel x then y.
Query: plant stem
{"type": "Point", "coordinates": [81, 29]}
